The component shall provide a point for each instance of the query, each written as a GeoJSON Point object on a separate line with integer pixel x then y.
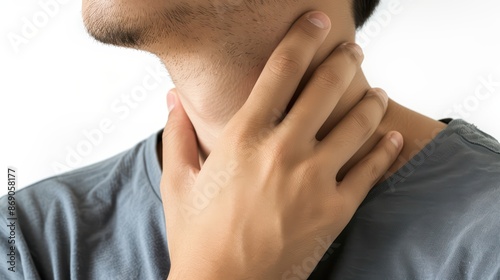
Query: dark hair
{"type": "Point", "coordinates": [362, 10]}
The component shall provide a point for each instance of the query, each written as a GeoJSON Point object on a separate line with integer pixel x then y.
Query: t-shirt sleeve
{"type": "Point", "coordinates": [102, 221]}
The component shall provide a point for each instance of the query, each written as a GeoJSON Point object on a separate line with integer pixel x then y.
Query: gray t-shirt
{"type": "Point", "coordinates": [438, 217]}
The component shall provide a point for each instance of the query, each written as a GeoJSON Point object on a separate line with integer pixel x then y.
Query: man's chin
{"type": "Point", "coordinates": [114, 36]}
{"type": "Point", "coordinates": [106, 27]}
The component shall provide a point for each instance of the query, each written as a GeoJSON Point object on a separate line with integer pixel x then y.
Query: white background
{"type": "Point", "coordinates": [58, 83]}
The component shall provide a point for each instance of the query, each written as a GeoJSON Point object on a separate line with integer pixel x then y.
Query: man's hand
{"type": "Point", "coordinates": [267, 192]}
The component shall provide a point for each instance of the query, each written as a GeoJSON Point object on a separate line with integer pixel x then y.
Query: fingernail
{"type": "Point", "coordinates": [319, 19]}
{"type": "Point", "coordinates": [356, 47]}
{"type": "Point", "coordinates": [171, 100]}
{"type": "Point", "coordinates": [396, 139]}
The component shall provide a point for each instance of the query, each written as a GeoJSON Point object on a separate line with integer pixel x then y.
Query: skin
{"type": "Point", "coordinates": [215, 51]}
{"type": "Point", "coordinates": [268, 205]}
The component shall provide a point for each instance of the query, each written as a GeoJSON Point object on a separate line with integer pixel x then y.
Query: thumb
{"type": "Point", "coordinates": [180, 147]}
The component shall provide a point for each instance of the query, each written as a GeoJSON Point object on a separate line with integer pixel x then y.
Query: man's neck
{"type": "Point", "coordinates": [214, 80]}
{"type": "Point", "coordinates": [209, 108]}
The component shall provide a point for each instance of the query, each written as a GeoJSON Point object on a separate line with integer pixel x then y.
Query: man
{"type": "Point", "coordinates": [436, 217]}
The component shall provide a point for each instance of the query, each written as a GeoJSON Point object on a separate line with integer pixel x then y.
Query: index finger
{"type": "Point", "coordinates": [286, 67]}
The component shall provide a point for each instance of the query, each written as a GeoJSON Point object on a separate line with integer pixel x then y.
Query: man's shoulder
{"type": "Point", "coordinates": [460, 156]}
{"type": "Point", "coordinates": [474, 136]}
{"type": "Point", "coordinates": [440, 208]}
{"type": "Point", "coordinates": [77, 181]}
{"type": "Point", "coordinates": [92, 189]}
{"type": "Point", "coordinates": [97, 211]}
{"type": "Point", "coordinates": [467, 158]}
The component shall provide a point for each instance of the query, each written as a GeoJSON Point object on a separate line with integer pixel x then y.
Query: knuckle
{"type": "Point", "coordinates": [335, 203]}
{"type": "Point", "coordinates": [237, 138]}
{"type": "Point", "coordinates": [327, 78]}
{"type": "Point", "coordinates": [379, 97]}
{"type": "Point", "coordinates": [309, 170]}
{"type": "Point", "coordinates": [279, 154]}
{"type": "Point", "coordinates": [372, 170]}
{"type": "Point", "coordinates": [362, 121]}
{"type": "Point", "coordinates": [170, 131]}
{"type": "Point", "coordinates": [284, 65]}
{"type": "Point", "coordinates": [337, 207]}
{"type": "Point", "coordinates": [240, 147]}
{"type": "Point", "coordinates": [175, 175]}
{"type": "Point", "coordinates": [351, 53]}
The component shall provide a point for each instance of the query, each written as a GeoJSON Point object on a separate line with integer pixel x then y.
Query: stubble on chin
{"type": "Point", "coordinates": [110, 25]}
{"type": "Point", "coordinates": [239, 35]}
{"type": "Point", "coordinates": [138, 26]}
